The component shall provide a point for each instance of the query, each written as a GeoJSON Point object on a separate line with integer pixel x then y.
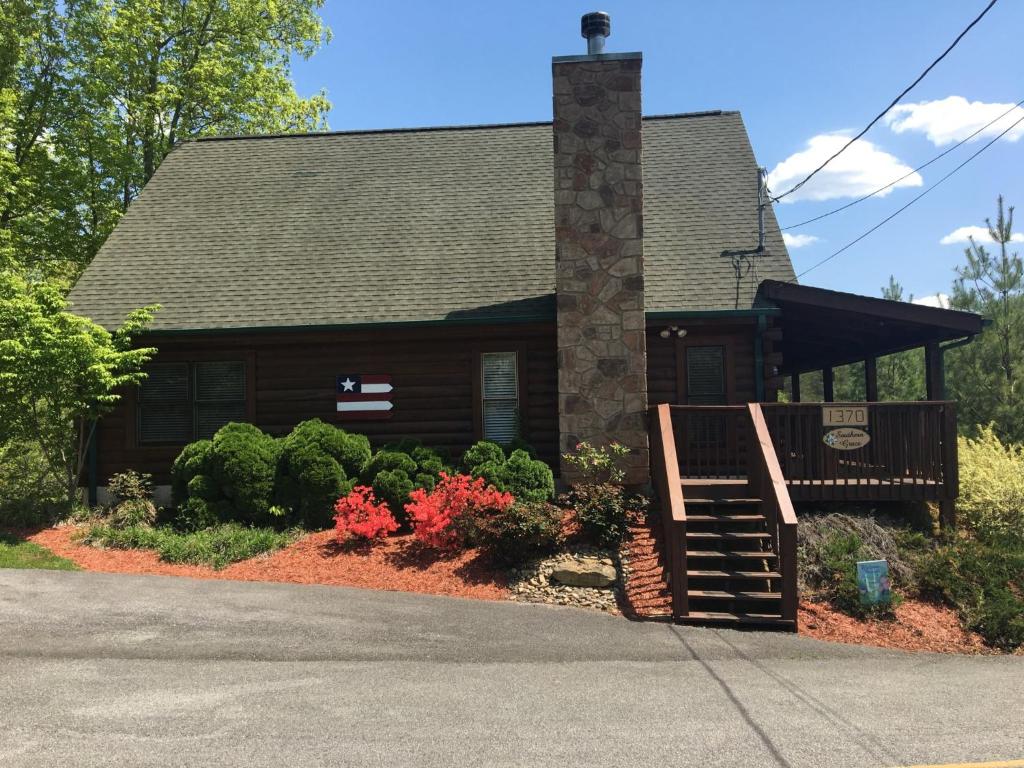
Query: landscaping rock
{"type": "Point", "coordinates": [584, 572]}
{"type": "Point", "coordinates": [535, 582]}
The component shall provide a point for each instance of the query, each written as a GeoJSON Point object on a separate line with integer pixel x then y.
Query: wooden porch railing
{"type": "Point", "coordinates": [912, 453]}
{"type": "Point", "coordinates": [766, 482]}
{"type": "Point", "coordinates": [711, 440]}
{"type": "Point", "coordinates": [665, 473]}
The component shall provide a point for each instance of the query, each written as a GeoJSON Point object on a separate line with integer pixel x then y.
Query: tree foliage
{"type": "Point", "coordinates": [95, 93]}
{"type": "Point", "coordinates": [986, 375]}
{"type": "Point", "coordinates": [900, 375]}
{"type": "Point", "coordinates": [60, 372]}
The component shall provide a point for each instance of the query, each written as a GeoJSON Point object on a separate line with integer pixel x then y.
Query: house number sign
{"type": "Point", "coordinates": [845, 427]}
{"type": "Point", "coordinates": [844, 416]}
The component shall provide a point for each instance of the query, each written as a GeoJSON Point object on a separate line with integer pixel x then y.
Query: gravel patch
{"type": "Point", "coordinates": [532, 583]}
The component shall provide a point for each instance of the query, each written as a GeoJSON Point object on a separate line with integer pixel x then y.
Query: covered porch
{"type": "Point", "coordinates": [828, 451]}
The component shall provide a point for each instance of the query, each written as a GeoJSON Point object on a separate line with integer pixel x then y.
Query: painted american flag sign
{"type": "Point", "coordinates": [362, 396]}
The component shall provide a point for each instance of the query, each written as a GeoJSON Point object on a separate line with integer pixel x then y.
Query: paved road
{"type": "Point", "coordinates": [139, 671]}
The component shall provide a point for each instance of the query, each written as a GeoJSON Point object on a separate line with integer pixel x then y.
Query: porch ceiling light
{"type": "Point", "coordinates": [671, 330]}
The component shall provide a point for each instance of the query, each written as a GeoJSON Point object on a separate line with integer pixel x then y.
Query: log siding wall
{"type": "Point", "coordinates": [291, 377]}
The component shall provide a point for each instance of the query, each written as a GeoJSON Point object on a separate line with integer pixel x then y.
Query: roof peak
{"type": "Point", "coordinates": [437, 128]}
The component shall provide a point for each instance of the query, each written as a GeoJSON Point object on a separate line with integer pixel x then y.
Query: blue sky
{"type": "Point", "coordinates": [800, 73]}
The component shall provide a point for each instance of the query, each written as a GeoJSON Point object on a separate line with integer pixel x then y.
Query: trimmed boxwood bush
{"type": "Point", "coordinates": [319, 463]}
{"type": "Point", "coordinates": [397, 470]}
{"type": "Point", "coordinates": [526, 478]}
{"type": "Point", "coordinates": [228, 478]}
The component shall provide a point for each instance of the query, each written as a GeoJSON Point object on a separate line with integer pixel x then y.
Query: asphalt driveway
{"type": "Point", "coordinates": [139, 671]}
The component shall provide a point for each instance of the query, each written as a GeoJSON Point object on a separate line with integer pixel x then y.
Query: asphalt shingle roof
{"type": "Point", "coordinates": [414, 225]}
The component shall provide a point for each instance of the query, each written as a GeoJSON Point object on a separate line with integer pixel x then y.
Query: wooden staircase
{"type": "Point", "coordinates": [731, 575]}
{"type": "Point", "coordinates": [729, 548]}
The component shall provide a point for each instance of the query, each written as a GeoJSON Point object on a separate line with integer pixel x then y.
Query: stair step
{"type": "Point", "coordinates": [740, 554]}
{"type": "Point", "coordinates": [720, 595]}
{"type": "Point", "coordinates": [728, 535]}
{"type": "Point", "coordinates": [737, 618]}
{"type": "Point", "coordinates": [733, 575]}
{"type": "Point", "coordinates": [726, 518]}
{"type": "Point", "coordinates": [724, 502]}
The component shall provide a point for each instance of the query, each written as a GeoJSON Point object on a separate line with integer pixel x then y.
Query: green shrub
{"type": "Point", "coordinates": [131, 500]}
{"type": "Point", "coordinates": [880, 537]}
{"type": "Point", "coordinates": [520, 533]}
{"type": "Point", "coordinates": [217, 547]}
{"type": "Point", "coordinates": [602, 507]}
{"type": "Point", "coordinates": [985, 583]}
{"type": "Point", "coordinates": [839, 557]}
{"type": "Point", "coordinates": [603, 510]}
{"type": "Point", "coordinates": [483, 452]}
{"type": "Point", "coordinates": [397, 470]}
{"type": "Point", "coordinates": [229, 478]}
{"type": "Point", "coordinates": [521, 475]}
{"type": "Point", "coordinates": [991, 502]}
{"type": "Point", "coordinates": [30, 494]}
{"type": "Point", "coordinates": [191, 463]}
{"type": "Point", "coordinates": [319, 463]}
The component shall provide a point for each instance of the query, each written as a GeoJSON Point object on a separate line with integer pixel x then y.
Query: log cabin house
{"type": "Point", "coordinates": [603, 276]}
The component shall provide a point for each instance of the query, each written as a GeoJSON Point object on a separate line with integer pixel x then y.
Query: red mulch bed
{"type": "Point", "coordinates": [918, 626]}
{"type": "Point", "coordinates": [646, 595]}
{"type": "Point", "coordinates": [395, 564]}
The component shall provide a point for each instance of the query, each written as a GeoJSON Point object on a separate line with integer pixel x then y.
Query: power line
{"type": "Point", "coordinates": [892, 104]}
{"type": "Point", "coordinates": [897, 212]}
{"type": "Point", "coordinates": [901, 178]}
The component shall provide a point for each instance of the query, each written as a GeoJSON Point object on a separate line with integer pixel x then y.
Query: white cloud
{"type": "Point", "coordinates": [861, 169]}
{"type": "Point", "coordinates": [954, 118]}
{"type": "Point", "coordinates": [939, 300]}
{"type": "Point", "coordinates": [963, 235]}
{"type": "Point", "coordinates": [798, 241]}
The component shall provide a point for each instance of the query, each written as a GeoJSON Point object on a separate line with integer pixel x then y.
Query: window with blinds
{"type": "Point", "coordinates": [705, 375]}
{"type": "Point", "coordinates": [181, 402]}
{"type": "Point", "coordinates": [499, 385]}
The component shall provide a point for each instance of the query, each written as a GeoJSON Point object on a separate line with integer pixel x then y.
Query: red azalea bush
{"type": "Point", "coordinates": [446, 517]}
{"type": "Point", "coordinates": [359, 514]}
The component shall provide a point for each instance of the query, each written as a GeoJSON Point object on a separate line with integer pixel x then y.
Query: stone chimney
{"type": "Point", "coordinates": [602, 352]}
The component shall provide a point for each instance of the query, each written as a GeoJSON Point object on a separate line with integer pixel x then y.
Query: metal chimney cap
{"type": "Point", "coordinates": [596, 23]}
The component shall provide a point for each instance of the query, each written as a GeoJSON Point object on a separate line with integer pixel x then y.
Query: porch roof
{"type": "Point", "coordinates": [823, 328]}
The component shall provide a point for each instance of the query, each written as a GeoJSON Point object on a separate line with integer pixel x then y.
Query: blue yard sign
{"type": "Point", "coordinates": [873, 582]}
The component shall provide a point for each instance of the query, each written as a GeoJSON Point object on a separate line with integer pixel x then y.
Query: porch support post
{"type": "Point", "coordinates": [828, 381]}
{"type": "Point", "coordinates": [795, 380]}
{"type": "Point", "coordinates": [934, 371]}
{"type": "Point", "coordinates": [871, 379]}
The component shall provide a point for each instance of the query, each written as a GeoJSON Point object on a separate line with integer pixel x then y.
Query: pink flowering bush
{"type": "Point", "coordinates": [448, 516]}
{"type": "Point", "coordinates": [360, 515]}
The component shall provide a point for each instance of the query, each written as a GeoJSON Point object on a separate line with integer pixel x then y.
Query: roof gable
{"type": "Point", "coordinates": [429, 225]}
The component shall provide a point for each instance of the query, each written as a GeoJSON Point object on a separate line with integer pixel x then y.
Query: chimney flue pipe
{"type": "Point", "coordinates": [595, 27]}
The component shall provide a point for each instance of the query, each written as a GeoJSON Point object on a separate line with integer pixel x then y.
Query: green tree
{"type": "Point", "coordinates": [60, 372]}
{"type": "Point", "coordinates": [95, 93]}
{"type": "Point", "coordinates": [900, 375]}
{"type": "Point", "coordinates": [986, 374]}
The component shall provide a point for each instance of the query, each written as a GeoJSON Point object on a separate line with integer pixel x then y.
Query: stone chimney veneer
{"type": "Point", "coordinates": [602, 351]}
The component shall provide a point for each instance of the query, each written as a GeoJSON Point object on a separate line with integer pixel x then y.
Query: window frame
{"type": "Point", "coordinates": [191, 400]}
{"type": "Point", "coordinates": [522, 390]}
{"type": "Point", "coordinates": [711, 340]}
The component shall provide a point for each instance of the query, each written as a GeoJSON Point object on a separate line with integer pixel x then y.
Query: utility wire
{"type": "Point", "coordinates": [901, 178]}
{"type": "Point", "coordinates": [898, 211]}
{"type": "Point", "coordinates": [892, 104]}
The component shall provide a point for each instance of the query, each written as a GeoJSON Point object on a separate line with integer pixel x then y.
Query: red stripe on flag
{"type": "Point", "coordinates": [376, 379]}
